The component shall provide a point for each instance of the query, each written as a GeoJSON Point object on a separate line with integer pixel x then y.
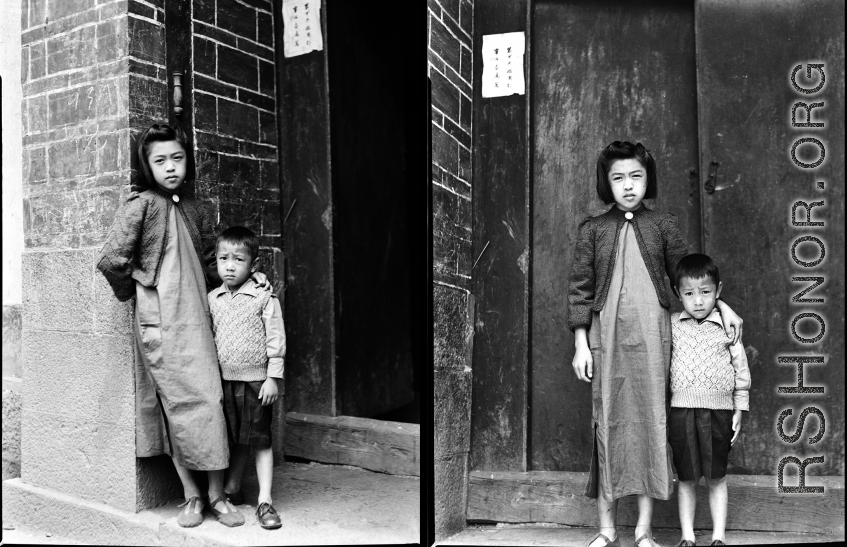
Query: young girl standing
{"type": "Point", "coordinates": [619, 311]}
{"type": "Point", "coordinates": [161, 249]}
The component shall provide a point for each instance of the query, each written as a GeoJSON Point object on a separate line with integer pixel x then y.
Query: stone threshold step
{"type": "Point", "coordinates": [560, 535]}
{"type": "Point", "coordinates": [557, 497]}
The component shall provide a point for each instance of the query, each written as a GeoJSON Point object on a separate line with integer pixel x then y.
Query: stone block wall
{"type": "Point", "coordinates": [449, 52]}
{"type": "Point", "coordinates": [235, 119]}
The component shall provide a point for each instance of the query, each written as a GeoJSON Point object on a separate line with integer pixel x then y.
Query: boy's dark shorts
{"type": "Point", "coordinates": [700, 439]}
{"type": "Point", "coordinates": [247, 421]}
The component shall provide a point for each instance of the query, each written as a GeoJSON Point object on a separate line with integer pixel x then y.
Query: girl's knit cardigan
{"type": "Point", "coordinates": [135, 245]}
{"type": "Point", "coordinates": [659, 240]}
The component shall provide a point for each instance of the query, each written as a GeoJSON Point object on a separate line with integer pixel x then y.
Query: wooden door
{"type": "Point", "coordinates": [746, 53]}
{"type": "Point", "coordinates": [601, 71]}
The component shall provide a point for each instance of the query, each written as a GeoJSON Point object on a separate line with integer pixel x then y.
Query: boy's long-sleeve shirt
{"type": "Point", "coordinates": [249, 333]}
{"type": "Point", "coordinates": [707, 371]}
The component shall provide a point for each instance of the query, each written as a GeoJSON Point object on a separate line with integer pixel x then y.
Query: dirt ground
{"type": "Point", "coordinates": [319, 505]}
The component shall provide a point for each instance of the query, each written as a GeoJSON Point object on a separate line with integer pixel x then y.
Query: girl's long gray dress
{"type": "Point", "coordinates": [630, 340]}
{"type": "Point", "coordinates": [179, 400]}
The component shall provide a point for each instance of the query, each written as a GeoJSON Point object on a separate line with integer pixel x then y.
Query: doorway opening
{"type": "Point", "coordinates": [375, 373]}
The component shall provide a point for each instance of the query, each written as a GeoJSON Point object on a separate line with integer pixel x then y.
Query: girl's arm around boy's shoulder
{"type": "Point", "coordinates": [741, 393]}
{"type": "Point", "coordinates": [582, 281]}
{"type": "Point", "coordinates": [275, 334]}
{"type": "Point", "coordinates": [206, 226]}
{"type": "Point", "coordinates": [116, 256]}
{"type": "Point", "coordinates": [675, 246]}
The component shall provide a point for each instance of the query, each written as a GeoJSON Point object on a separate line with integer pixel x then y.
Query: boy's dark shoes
{"type": "Point", "coordinates": [685, 543]}
{"type": "Point", "coordinates": [268, 517]}
{"type": "Point", "coordinates": [236, 498]}
{"type": "Point", "coordinates": [230, 518]}
{"type": "Point", "coordinates": [717, 542]}
{"type": "Point", "coordinates": [188, 518]}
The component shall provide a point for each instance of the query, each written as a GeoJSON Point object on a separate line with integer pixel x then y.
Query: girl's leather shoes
{"type": "Point", "coordinates": [268, 517]}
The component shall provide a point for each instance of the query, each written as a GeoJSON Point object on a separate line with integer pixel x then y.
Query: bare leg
{"type": "Point", "coordinates": [607, 511]}
{"type": "Point", "coordinates": [189, 486]}
{"type": "Point", "coordinates": [687, 493]}
{"type": "Point", "coordinates": [265, 469]}
{"type": "Point", "coordinates": [645, 515]}
{"type": "Point", "coordinates": [237, 462]}
{"type": "Point", "coordinates": [717, 504]}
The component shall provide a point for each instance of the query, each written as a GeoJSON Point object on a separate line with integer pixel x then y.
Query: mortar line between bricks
{"type": "Point", "coordinates": [72, 72]}
{"type": "Point", "coordinates": [253, 7]}
{"type": "Point", "coordinates": [443, 13]}
{"type": "Point", "coordinates": [442, 283]}
{"type": "Point", "coordinates": [454, 122]}
{"type": "Point", "coordinates": [235, 100]}
{"type": "Point", "coordinates": [454, 139]}
{"type": "Point", "coordinates": [238, 36]}
{"type": "Point", "coordinates": [468, 184]}
{"type": "Point", "coordinates": [66, 32]}
{"type": "Point", "coordinates": [142, 18]}
{"type": "Point", "coordinates": [149, 5]}
{"type": "Point", "coordinates": [66, 138]}
{"type": "Point", "coordinates": [447, 65]}
{"type": "Point", "coordinates": [144, 61]}
{"type": "Point", "coordinates": [466, 198]}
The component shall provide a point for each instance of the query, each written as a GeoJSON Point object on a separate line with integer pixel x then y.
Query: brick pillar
{"type": "Point", "coordinates": [93, 76]}
{"type": "Point", "coordinates": [450, 42]}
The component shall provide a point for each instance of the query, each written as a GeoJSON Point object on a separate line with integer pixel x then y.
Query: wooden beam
{"type": "Point", "coordinates": [389, 447]}
{"type": "Point", "coordinates": [557, 497]}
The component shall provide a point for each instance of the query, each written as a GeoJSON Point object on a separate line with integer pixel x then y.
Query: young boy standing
{"type": "Point", "coordinates": [710, 384]}
{"type": "Point", "coordinates": [250, 340]}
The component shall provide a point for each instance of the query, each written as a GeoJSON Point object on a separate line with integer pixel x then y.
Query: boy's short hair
{"type": "Point", "coordinates": [239, 235]}
{"type": "Point", "coordinates": [696, 266]}
{"type": "Point", "coordinates": [624, 150]}
{"type": "Point", "coordinates": [162, 133]}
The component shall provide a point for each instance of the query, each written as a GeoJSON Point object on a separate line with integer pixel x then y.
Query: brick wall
{"type": "Point", "coordinates": [92, 75]}
{"type": "Point", "coordinates": [235, 117]}
{"type": "Point", "coordinates": [449, 52]}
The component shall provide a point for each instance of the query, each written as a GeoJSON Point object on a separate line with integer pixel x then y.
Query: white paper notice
{"type": "Point", "coordinates": [301, 31]}
{"type": "Point", "coordinates": [502, 64]}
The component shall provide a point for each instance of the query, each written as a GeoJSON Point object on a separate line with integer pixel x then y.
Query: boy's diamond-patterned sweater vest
{"type": "Point", "coordinates": [702, 373]}
{"type": "Point", "coordinates": [240, 335]}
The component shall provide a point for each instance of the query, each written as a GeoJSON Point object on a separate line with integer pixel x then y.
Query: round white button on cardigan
{"type": "Point", "coordinates": [175, 198]}
{"type": "Point", "coordinates": [628, 215]}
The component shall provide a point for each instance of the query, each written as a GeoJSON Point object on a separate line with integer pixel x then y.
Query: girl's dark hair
{"type": "Point", "coordinates": [624, 150]}
{"type": "Point", "coordinates": [696, 266]}
{"type": "Point", "coordinates": [239, 235]}
{"type": "Point", "coordinates": [158, 133]}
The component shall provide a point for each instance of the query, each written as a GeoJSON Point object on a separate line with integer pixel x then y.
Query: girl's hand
{"type": "Point", "coordinates": [269, 392]}
{"type": "Point", "coordinates": [731, 322]}
{"type": "Point", "coordinates": [261, 280]}
{"type": "Point", "coordinates": [583, 362]}
{"type": "Point", "coordinates": [736, 425]}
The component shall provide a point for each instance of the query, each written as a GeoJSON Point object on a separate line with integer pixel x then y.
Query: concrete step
{"type": "Point", "coordinates": [531, 535]}
{"type": "Point", "coordinates": [319, 505]}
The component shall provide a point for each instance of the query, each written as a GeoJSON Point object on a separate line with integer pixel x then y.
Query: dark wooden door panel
{"type": "Point", "coordinates": [602, 71]}
{"type": "Point", "coordinates": [501, 221]}
{"type": "Point", "coordinates": [745, 55]}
